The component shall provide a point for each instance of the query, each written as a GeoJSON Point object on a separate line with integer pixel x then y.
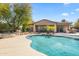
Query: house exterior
{"type": "Point", "coordinates": [47, 25]}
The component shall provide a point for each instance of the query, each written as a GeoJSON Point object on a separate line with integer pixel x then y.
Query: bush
{"type": "Point", "coordinates": [4, 27]}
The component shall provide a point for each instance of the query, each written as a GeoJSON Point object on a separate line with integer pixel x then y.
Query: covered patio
{"type": "Point", "coordinates": [44, 25]}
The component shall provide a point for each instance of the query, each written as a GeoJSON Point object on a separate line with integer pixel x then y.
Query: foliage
{"type": "Point", "coordinates": [5, 13]}
{"type": "Point", "coordinates": [20, 16]}
{"type": "Point", "coordinates": [4, 27]}
{"type": "Point", "coordinates": [23, 15]}
{"type": "Point", "coordinates": [76, 25]}
{"type": "Point", "coordinates": [51, 28]}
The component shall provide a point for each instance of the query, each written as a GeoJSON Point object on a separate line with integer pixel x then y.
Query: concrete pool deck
{"type": "Point", "coordinates": [17, 46]}
{"type": "Point", "coordinates": [72, 35]}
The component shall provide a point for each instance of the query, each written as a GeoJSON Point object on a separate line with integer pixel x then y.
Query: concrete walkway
{"type": "Point", "coordinates": [17, 46]}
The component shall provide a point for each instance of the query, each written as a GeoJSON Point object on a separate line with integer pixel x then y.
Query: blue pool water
{"type": "Point", "coordinates": [55, 45]}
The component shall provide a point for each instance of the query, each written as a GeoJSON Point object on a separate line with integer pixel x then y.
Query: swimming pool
{"type": "Point", "coordinates": [55, 45]}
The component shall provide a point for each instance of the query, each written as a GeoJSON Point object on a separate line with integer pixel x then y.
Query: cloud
{"type": "Point", "coordinates": [65, 14]}
{"type": "Point", "coordinates": [77, 10]}
{"type": "Point", "coordinates": [66, 4]}
{"type": "Point", "coordinates": [72, 12]}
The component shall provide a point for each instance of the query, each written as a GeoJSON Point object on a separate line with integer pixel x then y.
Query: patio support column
{"type": "Point", "coordinates": [34, 29]}
{"type": "Point", "coordinates": [55, 28]}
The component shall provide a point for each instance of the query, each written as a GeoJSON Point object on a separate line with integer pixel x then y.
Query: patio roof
{"type": "Point", "coordinates": [45, 22]}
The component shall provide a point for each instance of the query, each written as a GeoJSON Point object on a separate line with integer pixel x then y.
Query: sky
{"type": "Point", "coordinates": [55, 11]}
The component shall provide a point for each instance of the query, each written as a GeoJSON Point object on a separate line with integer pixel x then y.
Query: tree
{"type": "Point", "coordinates": [5, 14]}
{"type": "Point", "coordinates": [63, 20]}
{"type": "Point", "coordinates": [65, 23]}
{"type": "Point", "coordinates": [76, 25]}
{"type": "Point", "coordinates": [16, 16]}
{"type": "Point", "coordinates": [23, 15]}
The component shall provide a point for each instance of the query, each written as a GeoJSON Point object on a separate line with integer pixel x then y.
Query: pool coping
{"type": "Point", "coordinates": [66, 35]}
